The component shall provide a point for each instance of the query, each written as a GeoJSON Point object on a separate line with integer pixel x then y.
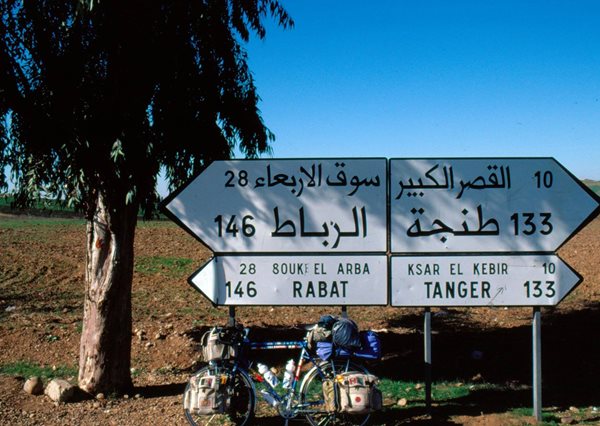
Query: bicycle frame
{"type": "Point", "coordinates": [287, 410]}
{"type": "Point", "coordinates": [291, 402]}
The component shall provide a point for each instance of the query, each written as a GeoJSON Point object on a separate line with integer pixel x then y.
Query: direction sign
{"type": "Point", "coordinates": [485, 205]}
{"type": "Point", "coordinates": [502, 280]}
{"type": "Point", "coordinates": [294, 280]}
{"type": "Point", "coordinates": [275, 206]}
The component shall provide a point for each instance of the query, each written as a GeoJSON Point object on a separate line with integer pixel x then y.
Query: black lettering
{"type": "Point", "coordinates": [323, 289]}
{"type": "Point", "coordinates": [437, 291]}
{"type": "Point", "coordinates": [335, 292]}
{"type": "Point", "coordinates": [310, 290]}
{"type": "Point", "coordinates": [485, 288]}
{"type": "Point", "coordinates": [474, 294]}
{"type": "Point", "coordinates": [343, 283]}
{"type": "Point", "coordinates": [450, 287]}
{"type": "Point", "coordinates": [462, 289]}
{"type": "Point", "coordinates": [297, 289]}
{"type": "Point", "coordinates": [428, 285]}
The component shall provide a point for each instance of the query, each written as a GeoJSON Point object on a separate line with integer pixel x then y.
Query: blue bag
{"type": "Point", "coordinates": [370, 345]}
{"type": "Point", "coordinates": [370, 348]}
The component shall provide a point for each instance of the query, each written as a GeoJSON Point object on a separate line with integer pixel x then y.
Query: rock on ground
{"type": "Point", "coordinates": [34, 386]}
{"type": "Point", "coordinates": [59, 390]}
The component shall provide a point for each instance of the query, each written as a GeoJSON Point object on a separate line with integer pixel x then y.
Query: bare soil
{"type": "Point", "coordinates": [41, 305]}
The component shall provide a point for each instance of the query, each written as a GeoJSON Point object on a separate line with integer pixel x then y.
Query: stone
{"type": "Point", "coordinates": [100, 396]}
{"type": "Point", "coordinates": [477, 378]}
{"type": "Point", "coordinates": [34, 386]}
{"type": "Point", "coordinates": [402, 402]}
{"type": "Point", "coordinates": [59, 390]}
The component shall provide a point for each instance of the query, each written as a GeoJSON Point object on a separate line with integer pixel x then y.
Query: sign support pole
{"type": "Point", "coordinates": [344, 311]}
{"type": "Point", "coordinates": [427, 350]}
{"type": "Point", "coordinates": [231, 321]}
{"type": "Point", "coordinates": [537, 363]}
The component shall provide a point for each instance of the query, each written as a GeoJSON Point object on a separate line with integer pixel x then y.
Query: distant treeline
{"type": "Point", "coordinates": [49, 207]}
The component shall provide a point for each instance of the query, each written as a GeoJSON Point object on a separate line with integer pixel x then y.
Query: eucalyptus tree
{"type": "Point", "coordinates": [96, 97]}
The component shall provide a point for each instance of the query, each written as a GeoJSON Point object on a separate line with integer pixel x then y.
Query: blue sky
{"type": "Point", "coordinates": [434, 79]}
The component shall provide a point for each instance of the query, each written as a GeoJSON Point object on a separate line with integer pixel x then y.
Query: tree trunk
{"type": "Point", "coordinates": [105, 350]}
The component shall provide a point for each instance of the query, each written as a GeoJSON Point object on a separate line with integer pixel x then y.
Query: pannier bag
{"type": "Point", "coordinates": [358, 393]}
{"type": "Point", "coordinates": [207, 395]}
{"type": "Point", "coordinates": [213, 349]}
{"type": "Point", "coordinates": [329, 394]}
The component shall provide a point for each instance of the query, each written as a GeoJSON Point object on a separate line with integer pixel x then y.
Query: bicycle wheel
{"type": "Point", "coordinates": [312, 397]}
{"type": "Point", "coordinates": [239, 392]}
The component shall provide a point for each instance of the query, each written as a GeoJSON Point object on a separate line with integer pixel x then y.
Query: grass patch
{"type": "Point", "coordinates": [447, 391]}
{"type": "Point", "coordinates": [548, 419]}
{"type": "Point", "coordinates": [29, 369]}
{"type": "Point", "coordinates": [166, 265]}
{"type": "Point", "coordinates": [415, 392]}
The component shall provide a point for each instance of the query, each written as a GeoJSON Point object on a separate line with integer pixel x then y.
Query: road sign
{"type": "Point", "coordinates": [485, 205]}
{"type": "Point", "coordinates": [502, 280]}
{"type": "Point", "coordinates": [275, 206]}
{"type": "Point", "coordinates": [294, 280]}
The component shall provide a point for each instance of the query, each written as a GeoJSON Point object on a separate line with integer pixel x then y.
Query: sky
{"type": "Point", "coordinates": [412, 79]}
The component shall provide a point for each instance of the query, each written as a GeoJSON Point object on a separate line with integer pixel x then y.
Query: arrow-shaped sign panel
{"type": "Point", "coordinates": [294, 280]}
{"type": "Point", "coordinates": [294, 206]}
{"type": "Point", "coordinates": [526, 280]}
{"type": "Point", "coordinates": [485, 205]}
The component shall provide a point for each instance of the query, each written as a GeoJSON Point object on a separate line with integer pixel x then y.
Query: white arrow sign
{"type": "Point", "coordinates": [485, 205]}
{"type": "Point", "coordinates": [525, 280]}
{"type": "Point", "coordinates": [268, 206]}
{"type": "Point", "coordinates": [294, 280]}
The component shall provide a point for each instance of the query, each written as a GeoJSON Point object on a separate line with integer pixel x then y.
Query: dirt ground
{"type": "Point", "coordinates": [41, 305]}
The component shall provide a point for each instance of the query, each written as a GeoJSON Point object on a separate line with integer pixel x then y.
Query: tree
{"type": "Point", "coordinates": [96, 97]}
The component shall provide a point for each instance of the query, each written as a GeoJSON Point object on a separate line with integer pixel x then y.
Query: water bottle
{"type": "Point", "coordinates": [290, 369]}
{"type": "Point", "coordinates": [268, 375]}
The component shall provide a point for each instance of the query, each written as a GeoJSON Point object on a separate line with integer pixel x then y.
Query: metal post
{"type": "Point", "coordinates": [537, 363]}
{"type": "Point", "coordinates": [344, 311]}
{"type": "Point", "coordinates": [231, 322]}
{"type": "Point", "coordinates": [427, 350]}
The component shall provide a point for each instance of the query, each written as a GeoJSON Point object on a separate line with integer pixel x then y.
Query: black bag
{"type": "Point", "coordinates": [345, 334]}
{"type": "Point", "coordinates": [327, 321]}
